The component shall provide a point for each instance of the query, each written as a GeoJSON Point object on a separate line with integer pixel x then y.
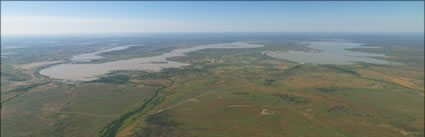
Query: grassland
{"type": "Point", "coordinates": [238, 92]}
{"type": "Point", "coordinates": [277, 98]}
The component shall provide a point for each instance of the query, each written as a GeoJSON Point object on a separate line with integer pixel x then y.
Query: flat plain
{"type": "Point", "coordinates": [222, 93]}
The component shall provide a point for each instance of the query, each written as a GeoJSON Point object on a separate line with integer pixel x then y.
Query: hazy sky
{"type": "Point", "coordinates": [49, 17]}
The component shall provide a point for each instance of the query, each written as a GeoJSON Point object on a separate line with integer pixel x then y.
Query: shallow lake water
{"type": "Point", "coordinates": [87, 57]}
{"type": "Point", "coordinates": [88, 72]}
{"type": "Point", "coordinates": [331, 53]}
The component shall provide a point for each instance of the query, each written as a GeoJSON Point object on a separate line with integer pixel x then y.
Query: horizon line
{"type": "Point", "coordinates": [112, 33]}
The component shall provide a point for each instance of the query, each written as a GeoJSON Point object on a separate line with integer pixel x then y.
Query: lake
{"type": "Point", "coordinates": [87, 57]}
{"type": "Point", "coordinates": [330, 53]}
{"type": "Point", "coordinates": [87, 72]}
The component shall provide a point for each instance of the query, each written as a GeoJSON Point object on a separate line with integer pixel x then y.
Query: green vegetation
{"type": "Point", "coordinates": [224, 92]}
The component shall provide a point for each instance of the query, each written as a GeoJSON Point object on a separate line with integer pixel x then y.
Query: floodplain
{"type": "Point", "coordinates": [219, 92]}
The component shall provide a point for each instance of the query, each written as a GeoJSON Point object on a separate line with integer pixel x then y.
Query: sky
{"type": "Point", "coordinates": [75, 17]}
